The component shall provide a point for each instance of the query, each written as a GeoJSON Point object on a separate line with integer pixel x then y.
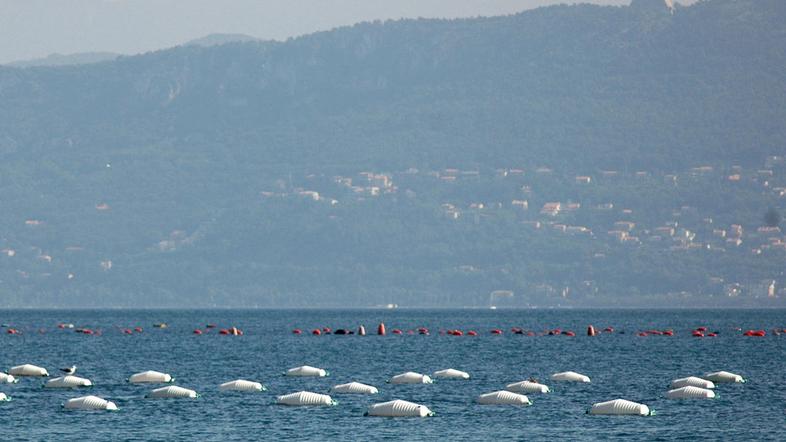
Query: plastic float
{"type": "Point", "coordinates": [527, 387]}
{"type": "Point", "coordinates": [690, 393]}
{"type": "Point", "coordinates": [354, 388]}
{"type": "Point", "coordinates": [307, 371]}
{"type": "Point", "coordinates": [28, 370]}
{"type": "Point", "coordinates": [692, 381]}
{"type": "Point", "coordinates": [305, 398]}
{"type": "Point", "coordinates": [89, 403]}
{"type": "Point", "coordinates": [620, 407]}
{"type": "Point", "coordinates": [570, 376]}
{"type": "Point", "coordinates": [721, 377]}
{"type": "Point", "coordinates": [6, 378]}
{"type": "Point", "coordinates": [410, 377]}
{"type": "Point", "coordinates": [150, 377]}
{"type": "Point", "coordinates": [68, 382]}
{"type": "Point", "coordinates": [362, 331]}
{"type": "Point", "coordinates": [451, 373]}
{"type": "Point", "coordinates": [241, 385]}
{"type": "Point", "coordinates": [398, 408]}
{"type": "Point", "coordinates": [590, 330]}
{"type": "Point", "coordinates": [172, 392]}
{"type": "Point", "coordinates": [503, 397]}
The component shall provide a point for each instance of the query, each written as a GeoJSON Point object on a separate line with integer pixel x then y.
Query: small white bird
{"type": "Point", "coordinates": [69, 370]}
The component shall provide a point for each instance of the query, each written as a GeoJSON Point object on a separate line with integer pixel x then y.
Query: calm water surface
{"type": "Point", "coordinates": [620, 365]}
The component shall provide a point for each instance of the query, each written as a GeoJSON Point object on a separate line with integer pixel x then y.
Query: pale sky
{"type": "Point", "coordinates": [36, 28]}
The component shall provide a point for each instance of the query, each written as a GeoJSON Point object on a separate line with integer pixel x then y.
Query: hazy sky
{"type": "Point", "coordinates": [37, 28]}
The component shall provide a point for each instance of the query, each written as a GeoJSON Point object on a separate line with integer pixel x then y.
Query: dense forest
{"type": "Point", "coordinates": [182, 177]}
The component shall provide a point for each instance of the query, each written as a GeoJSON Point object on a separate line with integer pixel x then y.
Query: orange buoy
{"type": "Point", "coordinates": [362, 331]}
{"type": "Point", "coordinates": [197, 332]}
{"type": "Point", "coordinates": [590, 330]}
{"type": "Point", "coordinates": [472, 333]}
{"type": "Point", "coordinates": [381, 328]}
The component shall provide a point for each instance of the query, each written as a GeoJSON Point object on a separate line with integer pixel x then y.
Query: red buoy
{"type": "Point", "coordinates": [496, 331]}
{"type": "Point", "coordinates": [712, 335]}
{"type": "Point", "coordinates": [642, 334]}
{"type": "Point", "coordinates": [530, 333]}
{"type": "Point", "coordinates": [590, 330]}
{"type": "Point", "coordinates": [381, 328]}
{"type": "Point", "coordinates": [316, 331]}
{"type": "Point", "coordinates": [362, 331]}
{"type": "Point", "coordinates": [472, 333]}
{"type": "Point", "coordinates": [701, 329]}
{"type": "Point", "coordinates": [297, 331]}
{"type": "Point", "coordinates": [223, 331]}
{"type": "Point", "coordinates": [609, 329]}
{"type": "Point", "coordinates": [569, 333]}
{"type": "Point", "coordinates": [423, 330]}
{"type": "Point", "coordinates": [668, 333]}
{"type": "Point", "coordinates": [138, 329]}
{"type": "Point", "coordinates": [197, 332]}
{"type": "Point", "coordinates": [396, 331]}
{"type": "Point", "coordinates": [698, 334]}
{"type": "Point", "coordinates": [457, 333]}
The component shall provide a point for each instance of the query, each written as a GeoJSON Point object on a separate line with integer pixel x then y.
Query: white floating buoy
{"type": "Point", "coordinates": [28, 370]}
{"type": "Point", "coordinates": [399, 408]}
{"type": "Point", "coordinates": [410, 377]}
{"type": "Point", "coordinates": [503, 397]}
{"type": "Point", "coordinates": [305, 398]}
{"type": "Point", "coordinates": [692, 381]}
{"type": "Point", "coordinates": [355, 388]}
{"type": "Point", "coordinates": [4, 398]}
{"type": "Point", "coordinates": [307, 370]}
{"type": "Point", "coordinates": [690, 393]}
{"type": "Point", "coordinates": [570, 376]}
{"type": "Point", "coordinates": [68, 382]}
{"type": "Point", "coordinates": [173, 392]}
{"type": "Point", "coordinates": [527, 387]}
{"type": "Point", "coordinates": [89, 403]}
{"type": "Point", "coordinates": [241, 385]}
{"type": "Point", "coordinates": [724, 377]}
{"type": "Point", "coordinates": [620, 407]}
{"type": "Point", "coordinates": [150, 377]}
{"type": "Point", "coordinates": [6, 378]}
{"type": "Point", "coordinates": [451, 373]}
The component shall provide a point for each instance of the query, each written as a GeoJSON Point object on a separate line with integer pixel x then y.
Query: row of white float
{"type": "Point", "coordinates": [684, 388]}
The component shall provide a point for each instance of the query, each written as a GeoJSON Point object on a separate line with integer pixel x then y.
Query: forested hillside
{"type": "Point", "coordinates": [186, 173]}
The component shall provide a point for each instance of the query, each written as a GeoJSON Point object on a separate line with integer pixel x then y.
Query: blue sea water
{"type": "Point", "coordinates": [621, 365]}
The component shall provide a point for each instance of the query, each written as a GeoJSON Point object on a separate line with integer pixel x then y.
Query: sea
{"type": "Point", "coordinates": [621, 364]}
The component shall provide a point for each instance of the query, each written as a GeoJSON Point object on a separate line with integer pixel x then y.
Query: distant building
{"type": "Point", "coordinates": [551, 209]}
